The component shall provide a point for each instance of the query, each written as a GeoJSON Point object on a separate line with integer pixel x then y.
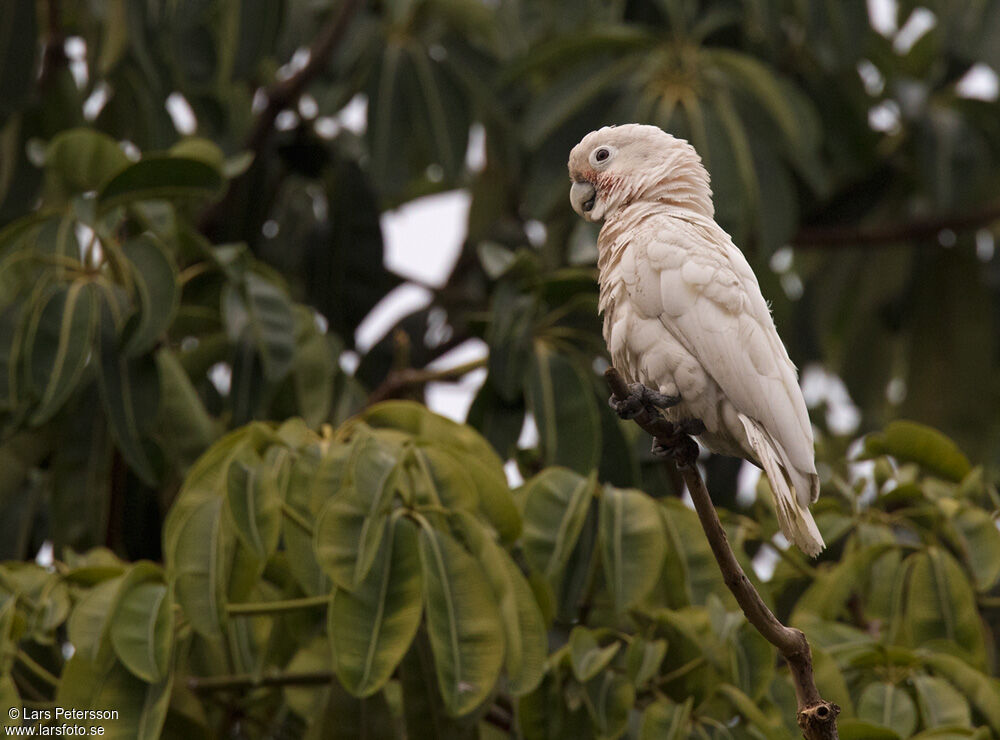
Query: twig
{"type": "Point", "coordinates": [893, 233]}
{"type": "Point", "coordinates": [263, 608]}
{"type": "Point", "coordinates": [400, 380]}
{"type": "Point", "coordinates": [54, 53]}
{"type": "Point", "coordinates": [282, 94]}
{"type": "Point", "coordinates": [240, 682]}
{"type": "Point", "coordinates": [817, 717]}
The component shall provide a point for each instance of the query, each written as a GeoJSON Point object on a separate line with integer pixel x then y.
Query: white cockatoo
{"type": "Point", "coordinates": [684, 315]}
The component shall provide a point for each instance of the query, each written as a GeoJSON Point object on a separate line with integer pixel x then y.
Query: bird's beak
{"type": "Point", "coordinates": [582, 196]}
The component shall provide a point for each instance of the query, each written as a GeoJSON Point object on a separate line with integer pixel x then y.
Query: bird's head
{"type": "Point", "coordinates": [619, 165]}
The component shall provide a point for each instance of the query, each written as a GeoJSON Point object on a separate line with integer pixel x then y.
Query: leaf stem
{"type": "Point", "coordinates": [297, 519]}
{"type": "Point", "coordinates": [36, 669]}
{"type": "Point", "coordinates": [259, 608]}
{"type": "Point", "coordinates": [240, 682]}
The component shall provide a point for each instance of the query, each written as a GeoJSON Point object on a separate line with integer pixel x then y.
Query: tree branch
{"type": "Point", "coordinates": [817, 718]}
{"type": "Point", "coordinates": [400, 380]}
{"type": "Point", "coordinates": [280, 95]}
{"type": "Point", "coordinates": [893, 233]}
{"type": "Point", "coordinates": [54, 52]}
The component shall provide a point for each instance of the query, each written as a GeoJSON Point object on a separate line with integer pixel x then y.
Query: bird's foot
{"type": "Point", "coordinates": [680, 447]}
{"type": "Point", "coordinates": [639, 399]}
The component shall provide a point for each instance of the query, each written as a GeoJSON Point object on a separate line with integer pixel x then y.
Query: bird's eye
{"type": "Point", "coordinates": [601, 154]}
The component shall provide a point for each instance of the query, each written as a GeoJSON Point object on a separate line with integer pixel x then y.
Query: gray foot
{"type": "Point", "coordinates": [641, 398]}
{"type": "Point", "coordinates": [681, 449]}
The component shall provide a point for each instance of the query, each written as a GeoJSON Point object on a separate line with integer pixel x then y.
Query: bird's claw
{"type": "Point", "coordinates": [681, 449]}
{"type": "Point", "coordinates": [639, 399]}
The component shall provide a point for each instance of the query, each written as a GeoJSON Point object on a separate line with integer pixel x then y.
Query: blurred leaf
{"type": "Point", "coordinates": [940, 704]}
{"type": "Point", "coordinates": [885, 704]}
{"type": "Point", "coordinates": [633, 544]}
{"type": "Point", "coordinates": [643, 659]}
{"type": "Point", "coordinates": [556, 502]}
{"type": "Point", "coordinates": [142, 630]}
{"type": "Point", "coordinates": [665, 720]}
{"type": "Point", "coordinates": [62, 344]}
{"type": "Point", "coordinates": [911, 442]}
{"type": "Point", "coordinates": [982, 690]}
{"type": "Point", "coordinates": [559, 396]}
{"type": "Point", "coordinates": [156, 177]}
{"type": "Point", "coordinates": [852, 729]}
{"type": "Point", "coordinates": [183, 423]}
{"type": "Point", "coordinates": [371, 628]}
{"type": "Point", "coordinates": [586, 656]}
{"type": "Point", "coordinates": [263, 312]}
{"type": "Point", "coordinates": [253, 502]}
{"type": "Point", "coordinates": [609, 700]}
{"type": "Point", "coordinates": [82, 160]}
{"type": "Point", "coordinates": [156, 282]}
{"type": "Point", "coordinates": [423, 708]}
{"type": "Point", "coordinates": [465, 630]}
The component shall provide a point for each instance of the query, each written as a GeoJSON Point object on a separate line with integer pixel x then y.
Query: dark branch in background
{"type": "Point", "coordinates": [919, 229]}
{"type": "Point", "coordinates": [54, 53]}
{"type": "Point", "coordinates": [817, 718]}
{"type": "Point", "coordinates": [283, 94]}
{"type": "Point", "coordinates": [400, 380]}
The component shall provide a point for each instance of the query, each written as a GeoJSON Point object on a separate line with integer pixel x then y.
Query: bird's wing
{"type": "Point", "coordinates": [712, 302]}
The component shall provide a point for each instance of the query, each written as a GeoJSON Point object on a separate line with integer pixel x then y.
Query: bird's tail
{"type": "Point", "coordinates": [790, 500]}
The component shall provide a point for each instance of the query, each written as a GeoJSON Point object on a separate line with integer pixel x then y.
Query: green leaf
{"type": "Point", "coordinates": [353, 521]}
{"type": "Point", "coordinates": [751, 711]}
{"type": "Point", "coordinates": [183, 423]}
{"type": "Point", "coordinates": [982, 690]}
{"type": "Point", "coordinates": [372, 627]}
{"type": "Point", "coordinates": [141, 707]}
{"type": "Point", "coordinates": [253, 501]}
{"type": "Point", "coordinates": [62, 343]}
{"type": "Point", "coordinates": [130, 392]}
{"type": "Point", "coordinates": [940, 704]}
{"type": "Point", "coordinates": [197, 558]}
{"type": "Point", "coordinates": [523, 624]}
{"type": "Point", "coordinates": [975, 533]}
{"type": "Point", "coordinates": [665, 720]}
{"type": "Point", "coordinates": [160, 178]}
{"type": "Point", "coordinates": [465, 630]}
{"type": "Point", "coordinates": [609, 699]}
{"type": "Point", "coordinates": [940, 606]}
{"type": "Point", "coordinates": [89, 621]}
{"type": "Point", "coordinates": [156, 282]}
{"type": "Point", "coordinates": [424, 712]}
{"type": "Point", "coordinates": [18, 49]}
{"type": "Point", "coordinates": [556, 502]}
{"type": "Point", "coordinates": [559, 396]}
{"type": "Point", "coordinates": [587, 657]}
{"type": "Point", "coordinates": [263, 312]}
{"type": "Point", "coordinates": [633, 544]}
{"type": "Point", "coordinates": [142, 630]}
{"type": "Point", "coordinates": [644, 658]}
{"type": "Point", "coordinates": [8, 698]}
{"type": "Point", "coordinates": [442, 479]}
{"type": "Point", "coordinates": [314, 369]}
{"type": "Point", "coordinates": [509, 337]}
{"type": "Point", "coordinates": [82, 160]}
{"type": "Point", "coordinates": [908, 441]}
{"type": "Point", "coordinates": [852, 729]}
{"type": "Point", "coordinates": [296, 533]}
{"type": "Point", "coordinates": [883, 703]}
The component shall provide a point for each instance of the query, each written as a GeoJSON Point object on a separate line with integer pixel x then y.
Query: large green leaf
{"type": "Point", "coordinates": [424, 712]}
{"type": "Point", "coordinates": [82, 160]}
{"type": "Point", "coordinates": [559, 396]}
{"type": "Point", "coordinates": [158, 177]}
{"type": "Point", "coordinates": [62, 343]}
{"type": "Point", "coordinates": [940, 606]}
{"type": "Point", "coordinates": [886, 704]}
{"type": "Point", "coordinates": [353, 521]}
{"type": "Point", "coordinates": [609, 699]}
{"type": "Point", "coordinates": [372, 627]}
{"type": "Point", "coordinates": [912, 442]}
{"type": "Point", "coordinates": [142, 630]}
{"type": "Point", "coordinates": [465, 630]}
{"type": "Point", "coordinates": [587, 656]}
{"type": "Point", "coordinates": [264, 313]}
{"type": "Point", "coordinates": [130, 392]}
{"type": "Point", "coordinates": [253, 501]}
{"type": "Point", "coordinates": [941, 705]}
{"type": "Point", "coordinates": [141, 707]}
{"type": "Point", "coordinates": [982, 690]}
{"type": "Point", "coordinates": [556, 503]}
{"type": "Point", "coordinates": [183, 424]}
{"type": "Point", "coordinates": [633, 544]}
{"type": "Point", "coordinates": [156, 282]}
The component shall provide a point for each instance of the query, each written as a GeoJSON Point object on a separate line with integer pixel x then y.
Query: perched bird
{"type": "Point", "coordinates": [684, 318]}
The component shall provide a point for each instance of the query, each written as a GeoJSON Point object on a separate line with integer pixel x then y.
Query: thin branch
{"type": "Point", "coordinates": [263, 608]}
{"type": "Point", "coordinates": [54, 52]}
{"type": "Point", "coordinates": [817, 718]}
{"type": "Point", "coordinates": [281, 95]}
{"type": "Point", "coordinates": [241, 682]}
{"type": "Point", "coordinates": [915, 229]}
{"type": "Point", "coordinates": [400, 380]}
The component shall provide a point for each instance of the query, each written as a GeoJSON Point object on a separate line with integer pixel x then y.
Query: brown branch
{"type": "Point", "coordinates": [54, 51]}
{"type": "Point", "coordinates": [400, 380]}
{"type": "Point", "coordinates": [281, 95]}
{"type": "Point", "coordinates": [916, 229]}
{"type": "Point", "coordinates": [241, 682]}
{"type": "Point", "coordinates": [817, 717]}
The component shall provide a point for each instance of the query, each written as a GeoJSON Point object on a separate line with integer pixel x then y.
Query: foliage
{"type": "Point", "coordinates": [230, 516]}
